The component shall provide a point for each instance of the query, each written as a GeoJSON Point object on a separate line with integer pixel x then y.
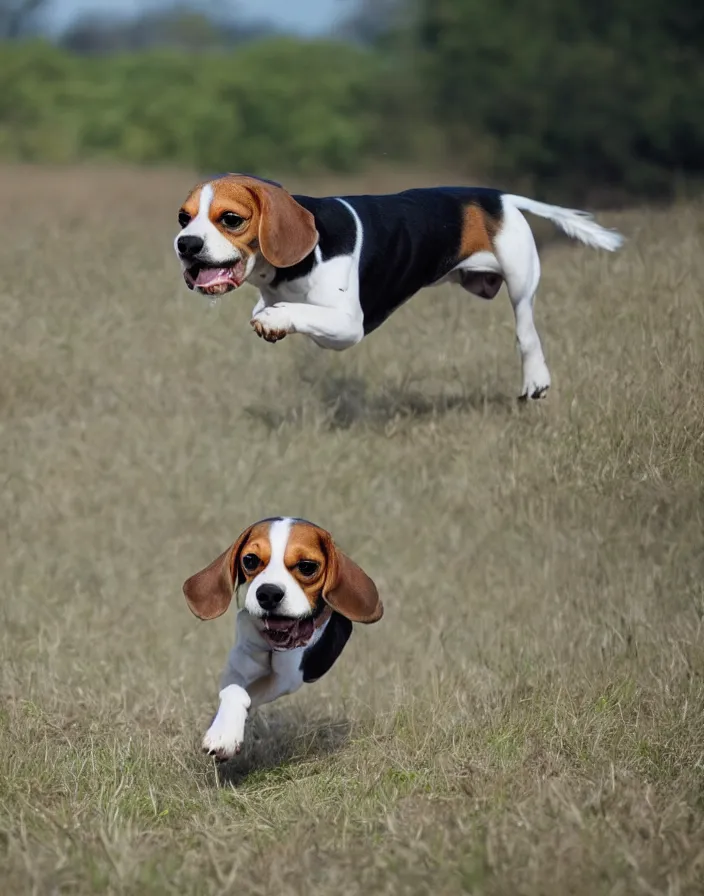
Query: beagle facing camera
{"type": "Point", "coordinates": [300, 596]}
{"type": "Point", "coordinates": [334, 268]}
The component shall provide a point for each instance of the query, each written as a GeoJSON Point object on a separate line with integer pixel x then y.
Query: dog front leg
{"type": "Point", "coordinates": [331, 328]}
{"type": "Point", "coordinates": [331, 314]}
{"type": "Point", "coordinates": [284, 676]}
{"type": "Point", "coordinates": [225, 737]}
{"type": "Point", "coordinates": [247, 662]}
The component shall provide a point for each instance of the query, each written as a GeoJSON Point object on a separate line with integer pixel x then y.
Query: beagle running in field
{"type": "Point", "coordinates": [301, 596]}
{"type": "Point", "coordinates": [335, 268]}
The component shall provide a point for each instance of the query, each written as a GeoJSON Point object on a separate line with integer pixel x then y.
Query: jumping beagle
{"type": "Point", "coordinates": [335, 268]}
{"type": "Point", "coordinates": [301, 595]}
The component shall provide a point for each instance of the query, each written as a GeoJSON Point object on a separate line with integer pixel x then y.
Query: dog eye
{"type": "Point", "coordinates": [230, 219]}
{"type": "Point", "coordinates": [184, 219]}
{"type": "Point", "coordinates": [250, 562]}
{"type": "Point", "coordinates": [307, 568]}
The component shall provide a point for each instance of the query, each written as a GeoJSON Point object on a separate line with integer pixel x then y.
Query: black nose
{"type": "Point", "coordinates": [270, 596]}
{"type": "Point", "coordinates": [188, 246]}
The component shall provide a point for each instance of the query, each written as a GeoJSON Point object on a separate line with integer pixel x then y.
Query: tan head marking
{"type": "Point", "coordinates": [256, 215]}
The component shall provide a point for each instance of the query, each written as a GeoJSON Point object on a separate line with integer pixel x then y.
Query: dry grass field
{"type": "Point", "coordinates": [528, 716]}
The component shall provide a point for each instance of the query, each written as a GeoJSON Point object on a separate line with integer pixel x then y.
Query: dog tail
{"type": "Point", "coordinates": [575, 223]}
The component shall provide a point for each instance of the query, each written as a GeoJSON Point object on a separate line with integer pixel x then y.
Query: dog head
{"type": "Point", "coordinates": [294, 577]}
{"type": "Point", "coordinates": [227, 224]}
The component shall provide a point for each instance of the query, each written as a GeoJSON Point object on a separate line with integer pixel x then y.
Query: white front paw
{"type": "Point", "coordinates": [272, 323]}
{"type": "Point", "coordinates": [536, 378]}
{"type": "Point", "coordinates": [221, 743]}
{"type": "Point", "coordinates": [224, 738]}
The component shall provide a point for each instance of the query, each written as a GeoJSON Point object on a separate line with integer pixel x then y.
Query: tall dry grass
{"type": "Point", "coordinates": [526, 719]}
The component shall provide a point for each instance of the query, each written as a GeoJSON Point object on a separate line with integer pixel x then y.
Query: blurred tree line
{"type": "Point", "coordinates": [571, 99]}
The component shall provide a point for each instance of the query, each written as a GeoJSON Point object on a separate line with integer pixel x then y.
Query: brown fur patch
{"type": "Point", "coordinates": [304, 543]}
{"type": "Point", "coordinates": [190, 206]}
{"type": "Point", "coordinates": [257, 543]}
{"type": "Point", "coordinates": [478, 231]}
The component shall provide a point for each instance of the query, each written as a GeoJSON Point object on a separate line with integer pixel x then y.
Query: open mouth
{"type": "Point", "coordinates": [283, 633]}
{"type": "Point", "coordinates": [214, 280]}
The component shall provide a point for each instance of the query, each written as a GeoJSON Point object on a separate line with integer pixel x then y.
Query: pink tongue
{"type": "Point", "coordinates": [211, 276]}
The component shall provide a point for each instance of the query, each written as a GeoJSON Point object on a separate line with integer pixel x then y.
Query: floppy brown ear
{"type": "Point", "coordinates": [287, 232]}
{"type": "Point", "coordinates": [209, 592]}
{"type": "Point", "coordinates": [348, 589]}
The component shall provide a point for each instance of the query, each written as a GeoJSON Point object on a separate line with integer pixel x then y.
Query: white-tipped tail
{"type": "Point", "coordinates": [575, 223]}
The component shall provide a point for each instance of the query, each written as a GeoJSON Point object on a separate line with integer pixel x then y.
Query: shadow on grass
{"type": "Point", "coordinates": [277, 745]}
{"type": "Point", "coordinates": [347, 400]}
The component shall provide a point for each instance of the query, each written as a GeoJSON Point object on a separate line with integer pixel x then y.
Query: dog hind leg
{"type": "Point", "coordinates": [516, 251]}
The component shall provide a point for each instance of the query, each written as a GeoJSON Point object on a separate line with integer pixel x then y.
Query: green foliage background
{"type": "Point", "coordinates": [269, 105]}
{"type": "Point", "coordinates": [557, 95]}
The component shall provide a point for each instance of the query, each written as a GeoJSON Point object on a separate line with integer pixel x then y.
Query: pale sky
{"type": "Point", "coordinates": [304, 16]}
